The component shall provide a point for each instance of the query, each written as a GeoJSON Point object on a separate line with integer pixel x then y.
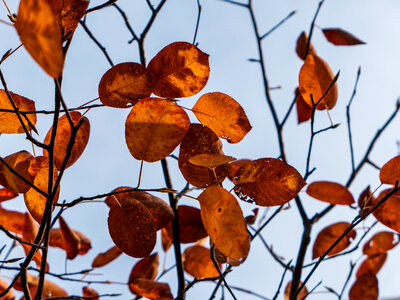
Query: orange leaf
{"type": "Point", "coordinates": [132, 228]}
{"type": "Point", "coordinates": [20, 162]}
{"type": "Point", "coordinates": [9, 122]}
{"type": "Point", "coordinates": [315, 77]}
{"type": "Point", "coordinates": [7, 195]}
{"type": "Point", "coordinates": [380, 243]}
{"type": "Point", "coordinates": [10, 294]}
{"type": "Point", "coordinates": [154, 128]}
{"type": "Point", "coordinates": [372, 264]}
{"type": "Point", "coordinates": [12, 220]}
{"type": "Point", "coordinates": [366, 198]}
{"type": "Point", "coordinates": [63, 137]}
{"type": "Point", "coordinates": [223, 115]}
{"type": "Point", "coordinates": [365, 288]}
{"type": "Point", "coordinates": [197, 262]}
{"type": "Point", "coordinates": [89, 292]}
{"type": "Point", "coordinates": [390, 172]}
{"type": "Point", "coordinates": [71, 239]}
{"type": "Point", "coordinates": [331, 192]}
{"type": "Point", "coordinates": [329, 235]}
{"type": "Point", "coordinates": [38, 29]}
{"type": "Point", "coordinates": [301, 296]}
{"type": "Point", "coordinates": [50, 289]}
{"type": "Point", "coordinates": [198, 140]}
{"type": "Point", "coordinates": [105, 258]}
{"type": "Point", "coordinates": [235, 166]}
{"type": "Point", "coordinates": [146, 268]}
{"type": "Point", "coordinates": [304, 111]}
{"type": "Point", "coordinates": [125, 84]}
{"type": "Point", "coordinates": [389, 212]}
{"type": "Point", "coordinates": [166, 239]}
{"type": "Point", "coordinates": [180, 69]}
{"type": "Point", "coordinates": [210, 160]}
{"type": "Point", "coordinates": [267, 182]}
{"type": "Point", "coordinates": [339, 37]}
{"type": "Point", "coordinates": [151, 289]}
{"type": "Point", "coordinates": [224, 222]}
{"type": "Point", "coordinates": [56, 240]}
{"type": "Point", "coordinates": [301, 46]}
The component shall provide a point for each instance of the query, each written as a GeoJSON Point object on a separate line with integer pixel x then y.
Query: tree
{"type": "Point", "coordinates": [281, 179]}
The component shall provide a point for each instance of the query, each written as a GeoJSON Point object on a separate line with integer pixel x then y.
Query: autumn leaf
{"type": "Point", "coordinates": [146, 268]}
{"type": "Point", "coordinates": [56, 240]}
{"type": "Point", "coordinates": [50, 289]}
{"type": "Point", "coordinates": [301, 46]}
{"type": "Point", "coordinates": [390, 172]}
{"type": "Point", "coordinates": [339, 37]}
{"type": "Point", "coordinates": [71, 239]}
{"type": "Point", "coordinates": [38, 29]}
{"type": "Point", "coordinates": [224, 222]}
{"type": "Point", "coordinates": [105, 258]}
{"type": "Point", "coordinates": [250, 220]}
{"type": "Point", "coordinates": [197, 262]}
{"type": "Point", "coordinates": [372, 264]}
{"type": "Point", "coordinates": [210, 160]}
{"type": "Point", "coordinates": [125, 84]}
{"type": "Point", "coordinates": [10, 294]}
{"type": "Point", "coordinates": [302, 294]}
{"type": "Point", "coordinates": [380, 243]}
{"type": "Point", "coordinates": [315, 78]}
{"type": "Point", "coordinates": [223, 115]}
{"type": "Point", "coordinates": [365, 288]}
{"type": "Point", "coordinates": [90, 292]}
{"type": "Point", "coordinates": [150, 289]}
{"type": "Point", "coordinates": [267, 182]}
{"type": "Point", "coordinates": [12, 220]}
{"type": "Point", "coordinates": [166, 238]}
{"type": "Point", "coordinates": [234, 166]}
{"type": "Point", "coordinates": [180, 70]}
{"type": "Point", "coordinates": [389, 212]}
{"type": "Point", "coordinates": [331, 192]}
{"type": "Point", "coordinates": [154, 128]}
{"type": "Point", "coordinates": [6, 195]}
{"type": "Point", "coordinates": [329, 235]}
{"type": "Point", "coordinates": [304, 111]}
{"type": "Point", "coordinates": [366, 198]}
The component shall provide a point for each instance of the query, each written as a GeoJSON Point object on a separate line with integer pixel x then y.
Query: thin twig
{"type": "Point", "coordinates": [291, 14]}
{"type": "Point", "coordinates": [197, 22]}
{"type": "Point", "coordinates": [105, 4]}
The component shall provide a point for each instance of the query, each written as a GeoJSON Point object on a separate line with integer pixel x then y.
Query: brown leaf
{"type": "Point", "coordinates": [365, 288]}
{"type": "Point", "coordinates": [151, 289]}
{"type": "Point", "coordinates": [304, 111]}
{"type": "Point", "coordinates": [250, 220]}
{"type": "Point", "coordinates": [223, 115]}
{"type": "Point", "coordinates": [50, 289]}
{"type": "Point", "coordinates": [38, 29]}
{"type": "Point", "coordinates": [197, 262]}
{"type": "Point", "coordinates": [267, 182]}
{"type": "Point", "coordinates": [329, 235]}
{"type": "Point", "coordinates": [146, 268]}
{"type": "Point", "coordinates": [154, 128]}
{"type": "Point", "coordinates": [105, 258]}
{"type": "Point", "coordinates": [315, 78]}
{"type": "Point", "coordinates": [56, 240]}
{"type": "Point", "coordinates": [389, 212]}
{"type": "Point", "coordinates": [198, 140]}
{"type": "Point", "coordinates": [132, 228]}
{"type": "Point", "coordinates": [71, 239]}
{"type": "Point", "coordinates": [331, 192]}
{"type": "Point", "coordinates": [224, 222]}
{"type": "Point", "coordinates": [210, 160]}
{"type": "Point", "coordinates": [125, 84]}
{"type": "Point", "coordinates": [301, 46]}
{"type": "Point", "coordinates": [372, 264]}
{"type": "Point", "coordinates": [12, 220]}
{"type": "Point", "coordinates": [6, 195]}
{"type": "Point", "coordinates": [180, 69]}
{"type": "Point", "coordinates": [339, 37]}
{"type": "Point", "coordinates": [235, 166]}
{"type": "Point", "coordinates": [390, 172]}
{"type": "Point", "coordinates": [166, 239]}
{"type": "Point", "coordinates": [380, 243]}
{"type": "Point", "coordinates": [366, 198]}
{"type": "Point", "coordinates": [87, 291]}
{"type": "Point", "coordinates": [301, 296]}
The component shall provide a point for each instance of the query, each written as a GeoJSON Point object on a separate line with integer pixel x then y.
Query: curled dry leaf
{"type": "Point", "coordinates": [366, 198]}
{"type": "Point", "coordinates": [10, 294]}
{"type": "Point", "coordinates": [372, 264]}
{"type": "Point", "coordinates": [7, 195]}
{"type": "Point", "coordinates": [154, 128]}
{"type": "Point", "coordinates": [301, 46]}
{"type": "Point", "coordinates": [301, 296]}
{"type": "Point", "coordinates": [146, 268]}
{"type": "Point", "coordinates": [224, 222]}
{"type": "Point", "coordinates": [125, 84]}
{"type": "Point", "coordinates": [20, 162]}
{"type": "Point", "coordinates": [198, 140]}
{"type": "Point", "coordinates": [166, 239]}
{"type": "Point", "coordinates": [390, 172]}
{"type": "Point", "coordinates": [150, 289]}
{"type": "Point", "coordinates": [380, 243]}
{"type": "Point", "coordinates": [304, 111]}
{"type": "Point", "coordinates": [63, 137]}
{"type": "Point", "coordinates": [315, 78]}
{"type": "Point", "coordinates": [389, 212]}
{"type": "Point", "coordinates": [234, 166]}
{"type": "Point", "coordinates": [210, 160]}
{"type": "Point", "coordinates": [71, 239]}
{"type": "Point", "coordinates": [87, 291]}
{"type": "Point", "coordinates": [132, 228]}
{"type": "Point", "coordinates": [12, 220]}
{"type": "Point", "coordinates": [250, 220]}
{"type": "Point", "coordinates": [267, 182]}
{"type": "Point", "coordinates": [365, 288]}
{"type": "Point", "coordinates": [39, 31]}
{"type": "Point", "coordinates": [105, 258]}
{"type": "Point", "coordinates": [331, 192]}
{"type": "Point", "coordinates": [339, 37]}
{"type": "Point", "coordinates": [223, 115]}
{"type": "Point", "coordinates": [197, 262]}
{"type": "Point", "coordinates": [56, 240]}
{"type": "Point", "coordinates": [9, 122]}
{"type": "Point", "coordinates": [329, 235]}
{"type": "Point", "coordinates": [180, 70]}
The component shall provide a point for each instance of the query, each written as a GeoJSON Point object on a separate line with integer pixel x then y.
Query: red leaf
{"type": "Point", "coordinates": [339, 37]}
{"type": "Point", "coordinates": [330, 192]}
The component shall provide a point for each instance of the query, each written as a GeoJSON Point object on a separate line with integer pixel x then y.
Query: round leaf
{"type": "Point", "coordinates": [365, 288]}
{"type": "Point", "coordinates": [197, 262]}
{"type": "Point", "coordinates": [390, 172]}
{"type": "Point", "coordinates": [20, 162]}
{"type": "Point", "coordinates": [330, 192]}
{"type": "Point", "coordinates": [389, 212]}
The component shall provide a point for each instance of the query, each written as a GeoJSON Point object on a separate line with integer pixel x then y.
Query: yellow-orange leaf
{"type": "Point", "coordinates": [339, 37]}
{"type": "Point", "coordinates": [197, 262]}
{"type": "Point", "coordinates": [125, 84]}
{"type": "Point", "coordinates": [304, 111]}
{"type": "Point", "coordinates": [20, 162]}
{"type": "Point", "coordinates": [39, 31]}
{"type": "Point", "coordinates": [315, 78]}
{"type": "Point", "coordinates": [223, 115]}
{"type": "Point", "coordinates": [166, 239]}
{"type": "Point", "coordinates": [329, 235]}
{"type": "Point", "coordinates": [10, 294]}
{"type": "Point", "coordinates": [301, 296]}
{"type": "Point", "coordinates": [198, 140]}
{"type": "Point", "coordinates": [381, 242]}
{"type": "Point", "coordinates": [90, 292]}
{"type": "Point", "coordinates": [9, 122]}
{"type": "Point", "coordinates": [50, 289]}
{"type": "Point", "coordinates": [132, 228]}
{"type": "Point", "coordinates": [372, 264]}
{"type": "Point", "coordinates": [331, 192]}
{"type": "Point", "coordinates": [154, 128]}
{"type": "Point", "coordinates": [224, 222]}
{"type": "Point", "coordinates": [6, 195]}
{"type": "Point", "coordinates": [210, 160]}
{"type": "Point", "coordinates": [235, 166]}
{"type": "Point", "coordinates": [180, 69]}
{"type": "Point", "coordinates": [12, 220]}
{"type": "Point", "coordinates": [63, 137]}
{"type": "Point", "coordinates": [71, 239]}
{"type": "Point", "coordinates": [105, 258]}
{"type": "Point", "coordinates": [365, 288]}
{"type": "Point", "coordinates": [150, 289]}
{"type": "Point", "coordinates": [389, 212]}
{"type": "Point", "coordinates": [390, 172]}
{"type": "Point", "coordinates": [146, 268]}
{"type": "Point", "coordinates": [301, 46]}
{"type": "Point", "coordinates": [267, 182]}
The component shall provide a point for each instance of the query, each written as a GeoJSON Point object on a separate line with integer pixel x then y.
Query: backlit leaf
{"type": "Point", "coordinates": [197, 262]}
{"type": "Point", "coordinates": [389, 212]}
{"type": "Point", "coordinates": [9, 122]}
{"type": "Point", "coordinates": [125, 84]}
{"type": "Point", "coordinates": [56, 240]}
{"type": "Point", "coordinates": [63, 137]}
{"type": "Point", "coordinates": [39, 31]}
{"type": "Point", "coordinates": [390, 172]}
{"type": "Point", "coordinates": [224, 222]}
{"type": "Point", "coordinates": [132, 228]}
{"type": "Point", "coordinates": [235, 166]}
{"type": "Point", "coordinates": [180, 69]}
{"type": "Point", "coordinates": [267, 182]}
{"type": "Point", "coordinates": [381, 242]}
{"type": "Point", "coordinates": [87, 291]}
{"type": "Point", "coordinates": [339, 37]}
{"type": "Point", "coordinates": [301, 296]}
{"type": "Point", "coordinates": [210, 160]}
{"type": "Point", "coordinates": [12, 220]}
{"type": "Point", "coordinates": [10, 294]}
{"type": "Point", "coordinates": [331, 192]}
{"type": "Point", "coordinates": [50, 289]}
{"type": "Point", "coordinates": [71, 239]}
{"type": "Point", "coordinates": [198, 140]}
{"type": "Point", "coordinates": [151, 289]}
{"type": "Point", "coordinates": [304, 111]}
{"type": "Point", "coordinates": [301, 46]}
{"type": "Point", "coordinates": [315, 77]}
{"type": "Point", "coordinates": [223, 115]}
{"type": "Point", "coordinates": [146, 268]}
{"type": "Point", "coordinates": [20, 162]}
{"type": "Point", "coordinates": [329, 235]}
{"type": "Point", "coordinates": [366, 198]}
{"type": "Point", "coordinates": [154, 128]}
{"type": "Point", "coordinates": [372, 264]}
{"type": "Point", "coordinates": [7, 195]}
{"type": "Point", "coordinates": [166, 238]}
{"type": "Point", "coordinates": [365, 288]}
{"type": "Point", "coordinates": [105, 258]}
